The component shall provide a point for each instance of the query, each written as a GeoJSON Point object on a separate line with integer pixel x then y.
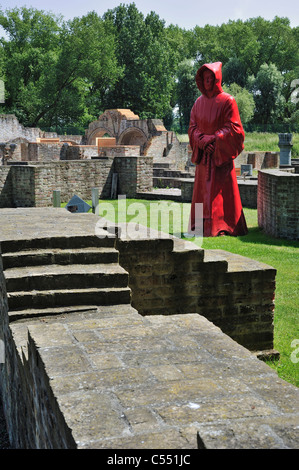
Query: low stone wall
{"type": "Point", "coordinates": [258, 160]}
{"type": "Point", "coordinates": [33, 185]}
{"type": "Point", "coordinates": [6, 187]}
{"type": "Point", "coordinates": [78, 152]}
{"type": "Point", "coordinates": [247, 188]}
{"type": "Point", "coordinates": [233, 292]}
{"type": "Point", "coordinates": [63, 386]}
{"type": "Point", "coordinates": [277, 203]}
{"type": "Point", "coordinates": [261, 160]}
{"type": "Point", "coordinates": [248, 192]}
{"type": "Point", "coordinates": [135, 174]}
{"type": "Point", "coordinates": [31, 410]}
{"type": "Point", "coordinates": [187, 189]}
{"type": "Point", "coordinates": [24, 186]}
{"type": "Point", "coordinates": [167, 149]}
{"type": "Point", "coordinates": [43, 152]}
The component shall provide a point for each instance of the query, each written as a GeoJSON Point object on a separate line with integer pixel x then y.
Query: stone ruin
{"type": "Point", "coordinates": [112, 329]}
{"type": "Point", "coordinates": [141, 156]}
{"type": "Point", "coordinates": [120, 343]}
{"type": "Point", "coordinates": [126, 134]}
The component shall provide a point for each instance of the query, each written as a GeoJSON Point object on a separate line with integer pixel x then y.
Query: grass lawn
{"type": "Point", "coordinates": [278, 253]}
{"type": "Point", "coordinates": [261, 141]}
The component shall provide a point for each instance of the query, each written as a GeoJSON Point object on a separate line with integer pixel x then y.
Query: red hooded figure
{"type": "Point", "coordinates": [216, 137]}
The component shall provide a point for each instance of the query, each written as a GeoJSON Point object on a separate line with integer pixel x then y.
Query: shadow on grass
{"type": "Point", "coordinates": [256, 235]}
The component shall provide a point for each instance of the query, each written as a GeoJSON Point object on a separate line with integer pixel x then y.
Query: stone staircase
{"type": "Point", "coordinates": [164, 176]}
{"type": "Point", "coordinates": [54, 275]}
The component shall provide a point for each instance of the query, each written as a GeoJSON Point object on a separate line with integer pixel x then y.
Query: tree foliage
{"type": "Point", "coordinates": [244, 101]}
{"type": "Point", "coordinates": [187, 92]}
{"type": "Point", "coordinates": [267, 91]}
{"type": "Point", "coordinates": [62, 74]}
{"type": "Point", "coordinates": [145, 56]}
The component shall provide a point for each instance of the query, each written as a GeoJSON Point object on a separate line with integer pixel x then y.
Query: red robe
{"type": "Point", "coordinates": [215, 184]}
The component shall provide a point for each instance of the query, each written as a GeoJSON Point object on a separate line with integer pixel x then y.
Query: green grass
{"type": "Point", "coordinates": [278, 253]}
{"type": "Point", "coordinates": [261, 141]}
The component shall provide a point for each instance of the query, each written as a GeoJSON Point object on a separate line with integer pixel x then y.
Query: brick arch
{"type": "Point", "coordinates": [98, 132]}
{"type": "Point", "coordinates": [133, 136]}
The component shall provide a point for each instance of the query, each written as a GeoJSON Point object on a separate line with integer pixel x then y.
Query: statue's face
{"type": "Point", "coordinates": [208, 80]}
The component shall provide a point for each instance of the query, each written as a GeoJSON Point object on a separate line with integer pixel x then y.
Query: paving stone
{"type": "Point", "coordinates": [249, 434]}
{"type": "Point", "coordinates": [114, 379]}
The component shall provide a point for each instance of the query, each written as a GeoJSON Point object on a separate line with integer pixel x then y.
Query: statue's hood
{"type": "Point", "coordinates": [216, 68]}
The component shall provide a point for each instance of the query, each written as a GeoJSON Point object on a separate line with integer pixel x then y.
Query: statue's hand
{"type": "Point", "coordinates": [205, 140]}
{"type": "Point", "coordinates": [209, 149]}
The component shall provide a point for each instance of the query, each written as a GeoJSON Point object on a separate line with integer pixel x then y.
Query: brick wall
{"type": "Point", "coordinates": [233, 292]}
{"type": "Point", "coordinates": [78, 152]}
{"type": "Point", "coordinates": [248, 193]}
{"type": "Point", "coordinates": [5, 187]}
{"type": "Point", "coordinates": [23, 186]}
{"type": "Point", "coordinates": [166, 148]}
{"type": "Point", "coordinates": [72, 177]}
{"type": "Point", "coordinates": [44, 152]}
{"type": "Point", "coordinates": [258, 160]}
{"type": "Point", "coordinates": [187, 186]}
{"type": "Point", "coordinates": [33, 185]}
{"type": "Point", "coordinates": [135, 174]}
{"type": "Point", "coordinates": [278, 203]}
{"type": "Point", "coordinates": [31, 410]}
{"type": "Point", "coordinates": [10, 128]}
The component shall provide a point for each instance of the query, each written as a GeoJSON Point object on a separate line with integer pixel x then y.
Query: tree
{"type": "Point", "coordinates": [234, 71]}
{"type": "Point", "coordinates": [30, 49]}
{"type": "Point", "coordinates": [277, 43]}
{"type": "Point", "coordinates": [187, 92]}
{"type": "Point", "coordinates": [244, 101]}
{"type": "Point", "coordinates": [144, 54]}
{"type": "Point", "coordinates": [267, 92]}
{"type": "Point", "coordinates": [56, 72]}
{"type": "Point", "coordinates": [85, 69]}
{"type": "Point", "coordinates": [179, 40]}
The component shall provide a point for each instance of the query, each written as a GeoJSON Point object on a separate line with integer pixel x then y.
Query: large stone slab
{"type": "Point", "coordinates": [126, 381]}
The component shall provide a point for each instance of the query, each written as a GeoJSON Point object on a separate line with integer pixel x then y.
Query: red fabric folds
{"type": "Point", "coordinates": [215, 120]}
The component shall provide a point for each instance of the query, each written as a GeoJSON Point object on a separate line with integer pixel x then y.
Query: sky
{"type": "Point", "coordinates": [185, 13]}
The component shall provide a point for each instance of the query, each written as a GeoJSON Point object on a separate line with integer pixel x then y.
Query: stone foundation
{"type": "Point", "coordinates": [258, 160]}
{"type": "Point", "coordinates": [278, 209]}
{"type": "Point", "coordinates": [110, 377]}
{"type": "Point", "coordinates": [33, 185]}
{"type": "Point", "coordinates": [248, 192]}
{"type": "Point", "coordinates": [233, 292]}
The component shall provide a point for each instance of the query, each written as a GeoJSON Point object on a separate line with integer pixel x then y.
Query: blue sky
{"type": "Point", "coordinates": [185, 13]}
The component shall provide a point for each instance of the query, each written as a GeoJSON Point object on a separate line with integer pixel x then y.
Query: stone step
{"type": "Point", "coordinates": [53, 313]}
{"type": "Point", "coordinates": [60, 256]}
{"type": "Point", "coordinates": [66, 297]}
{"type": "Point", "coordinates": [161, 165]}
{"type": "Point", "coordinates": [73, 276]}
{"type": "Point", "coordinates": [161, 172]}
{"type": "Point", "coordinates": [173, 194]}
{"type": "Point", "coordinates": [64, 242]}
{"type": "Point", "coordinates": [163, 182]}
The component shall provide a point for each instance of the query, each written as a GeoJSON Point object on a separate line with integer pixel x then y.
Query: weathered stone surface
{"type": "Point", "coordinates": [106, 377]}
{"type": "Point", "coordinates": [278, 195]}
{"type": "Point", "coordinates": [206, 384]}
